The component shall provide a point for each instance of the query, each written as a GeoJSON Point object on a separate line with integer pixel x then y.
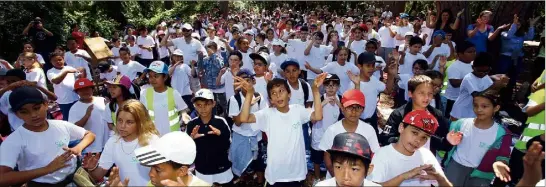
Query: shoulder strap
{"type": "Point", "coordinates": [238, 99]}
{"type": "Point", "coordinates": [305, 90]}
{"type": "Point", "coordinates": [256, 94]}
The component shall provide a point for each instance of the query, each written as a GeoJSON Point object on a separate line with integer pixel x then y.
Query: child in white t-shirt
{"type": "Point", "coordinates": [133, 48]}
{"type": "Point", "coordinates": [340, 67]}
{"type": "Point", "coordinates": [407, 163]}
{"type": "Point", "coordinates": [277, 58]}
{"type": "Point", "coordinates": [380, 64]}
{"type": "Point", "coordinates": [407, 59]}
{"type": "Point", "coordinates": [146, 44]}
{"type": "Point", "coordinates": [133, 130]}
{"type": "Point", "coordinates": [115, 49]}
{"type": "Point", "coordinates": [119, 90]}
{"type": "Point", "coordinates": [315, 55]}
{"type": "Point", "coordinates": [108, 71]}
{"type": "Point", "coordinates": [33, 69]}
{"type": "Point", "coordinates": [481, 146]}
{"type": "Point", "coordinates": [476, 81]}
{"type": "Point", "coordinates": [298, 87]}
{"type": "Point", "coordinates": [164, 104]}
{"type": "Point", "coordinates": [282, 124]}
{"type": "Point", "coordinates": [180, 74]}
{"type": "Point", "coordinates": [262, 73]}
{"type": "Point", "coordinates": [358, 44]}
{"type": "Point", "coordinates": [466, 52]}
{"type": "Point", "coordinates": [62, 77]}
{"type": "Point", "coordinates": [39, 147]}
{"type": "Point", "coordinates": [128, 67]}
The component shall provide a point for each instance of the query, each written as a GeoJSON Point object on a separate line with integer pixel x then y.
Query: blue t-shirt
{"type": "Point", "coordinates": [480, 39]}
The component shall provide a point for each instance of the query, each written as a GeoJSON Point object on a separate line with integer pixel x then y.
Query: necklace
{"type": "Point", "coordinates": [130, 152]}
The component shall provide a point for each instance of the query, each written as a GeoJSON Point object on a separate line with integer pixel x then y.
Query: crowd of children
{"type": "Point", "coordinates": [267, 104]}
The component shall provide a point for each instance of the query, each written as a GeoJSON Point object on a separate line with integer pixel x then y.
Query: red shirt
{"type": "Point", "coordinates": [78, 36]}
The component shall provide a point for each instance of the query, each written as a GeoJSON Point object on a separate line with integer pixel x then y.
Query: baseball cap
{"type": "Point", "coordinates": [203, 93]}
{"type": "Point", "coordinates": [277, 42]}
{"type": "Point", "coordinates": [423, 120]}
{"type": "Point", "coordinates": [439, 32]}
{"type": "Point", "coordinates": [187, 26]}
{"type": "Point", "coordinates": [404, 15]}
{"type": "Point", "coordinates": [260, 55]}
{"type": "Point", "coordinates": [82, 83]}
{"type": "Point", "coordinates": [288, 62]}
{"type": "Point", "coordinates": [158, 67]}
{"type": "Point", "coordinates": [332, 77]}
{"type": "Point", "coordinates": [16, 72]}
{"type": "Point", "coordinates": [249, 32]}
{"type": "Point", "coordinates": [174, 146]}
{"type": "Point", "coordinates": [178, 52]}
{"type": "Point", "coordinates": [352, 143]}
{"type": "Point", "coordinates": [366, 58]}
{"type": "Point", "coordinates": [245, 73]}
{"type": "Point", "coordinates": [25, 95]}
{"type": "Point", "coordinates": [409, 33]}
{"type": "Point", "coordinates": [121, 80]}
{"type": "Point", "coordinates": [349, 19]}
{"type": "Point", "coordinates": [353, 97]}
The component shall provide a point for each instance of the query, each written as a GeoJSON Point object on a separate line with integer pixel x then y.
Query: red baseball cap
{"type": "Point", "coordinates": [423, 120]}
{"type": "Point", "coordinates": [352, 97]}
{"type": "Point", "coordinates": [82, 83]}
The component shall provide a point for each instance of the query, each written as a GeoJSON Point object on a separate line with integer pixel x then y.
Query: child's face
{"type": "Point", "coordinates": [469, 55]}
{"type": "Point", "coordinates": [28, 48]}
{"type": "Point", "coordinates": [366, 69]}
{"type": "Point", "coordinates": [114, 90]}
{"type": "Point", "coordinates": [481, 71]}
{"type": "Point", "coordinates": [33, 114]}
{"type": "Point", "coordinates": [353, 112]}
{"type": "Point", "coordinates": [331, 88]}
{"type": "Point", "coordinates": [279, 96]}
{"type": "Point", "coordinates": [156, 79]}
{"type": "Point", "coordinates": [277, 48]}
{"type": "Point", "coordinates": [57, 62]}
{"type": "Point", "coordinates": [412, 138]}
{"type": "Point", "coordinates": [118, 43]}
{"type": "Point", "coordinates": [417, 70]}
{"type": "Point", "coordinates": [204, 108]}
{"type": "Point", "coordinates": [484, 108]}
{"type": "Point", "coordinates": [422, 95]}
{"type": "Point", "coordinates": [342, 56]}
{"type": "Point", "coordinates": [85, 93]}
{"type": "Point", "coordinates": [131, 41]}
{"type": "Point", "coordinates": [371, 48]}
{"type": "Point", "coordinates": [28, 62]}
{"type": "Point", "coordinates": [125, 56]}
{"type": "Point", "coordinates": [292, 73]}
{"type": "Point", "coordinates": [165, 171]}
{"type": "Point", "coordinates": [177, 58]}
{"type": "Point", "coordinates": [126, 125]}
{"type": "Point", "coordinates": [244, 45]}
{"type": "Point", "coordinates": [349, 173]}
{"type": "Point", "coordinates": [259, 67]}
{"type": "Point", "coordinates": [437, 85]}
{"type": "Point", "coordinates": [357, 34]}
{"type": "Point", "coordinates": [415, 48]}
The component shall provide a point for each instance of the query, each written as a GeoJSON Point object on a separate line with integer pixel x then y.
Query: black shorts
{"type": "Point", "coordinates": [317, 156]}
{"type": "Point", "coordinates": [260, 163]}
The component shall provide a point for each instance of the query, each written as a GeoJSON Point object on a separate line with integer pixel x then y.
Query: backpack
{"type": "Point", "coordinates": [340, 117]}
{"type": "Point", "coordinates": [237, 96]}
{"type": "Point", "coordinates": [305, 88]}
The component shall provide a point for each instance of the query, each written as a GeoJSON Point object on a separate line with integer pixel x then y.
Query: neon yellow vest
{"type": "Point", "coordinates": [174, 118]}
{"type": "Point", "coordinates": [535, 124]}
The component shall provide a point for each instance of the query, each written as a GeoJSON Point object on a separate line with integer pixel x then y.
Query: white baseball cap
{"type": "Point", "coordinates": [178, 52]}
{"type": "Point", "coordinates": [249, 32]}
{"type": "Point", "coordinates": [349, 19]}
{"type": "Point", "coordinates": [409, 33]}
{"type": "Point", "coordinates": [277, 42]}
{"type": "Point", "coordinates": [204, 94]}
{"type": "Point", "coordinates": [175, 146]}
{"type": "Point", "coordinates": [187, 26]}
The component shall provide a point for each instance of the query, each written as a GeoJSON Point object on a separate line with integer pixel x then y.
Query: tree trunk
{"type": "Point", "coordinates": [224, 8]}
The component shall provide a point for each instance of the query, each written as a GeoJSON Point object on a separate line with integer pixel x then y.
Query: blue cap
{"type": "Point", "coordinates": [439, 32]}
{"type": "Point", "coordinates": [245, 73]}
{"type": "Point", "coordinates": [158, 67]}
{"type": "Point", "coordinates": [290, 61]}
{"type": "Point", "coordinates": [403, 15]}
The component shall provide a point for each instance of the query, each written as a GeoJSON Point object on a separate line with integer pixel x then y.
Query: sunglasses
{"type": "Point", "coordinates": [185, 30]}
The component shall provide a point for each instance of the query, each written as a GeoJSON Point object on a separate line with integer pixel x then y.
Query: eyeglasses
{"type": "Point", "coordinates": [185, 30]}
{"type": "Point", "coordinates": [354, 108]}
{"type": "Point", "coordinates": [330, 86]}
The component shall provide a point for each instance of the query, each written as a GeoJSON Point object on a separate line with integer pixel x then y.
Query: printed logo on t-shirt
{"type": "Point", "coordinates": [483, 145]}
{"type": "Point", "coordinates": [134, 159]}
{"type": "Point", "coordinates": [61, 143]}
{"type": "Point", "coordinates": [295, 125]}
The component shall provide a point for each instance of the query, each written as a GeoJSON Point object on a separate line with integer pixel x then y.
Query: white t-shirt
{"type": "Point", "coordinates": [462, 108]}
{"type": "Point", "coordinates": [297, 96]}
{"type": "Point", "coordinates": [65, 89]}
{"type": "Point", "coordinates": [332, 182]}
{"type": "Point", "coordinates": [248, 63]}
{"type": "Point", "coordinates": [30, 150]}
{"type": "Point", "coordinates": [161, 110]}
{"type": "Point", "coordinates": [77, 62]}
{"type": "Point", "coordinates": [162, 50]}
{"type": "Point", "coordinates": [442, 50]}
{"type": "Point", "coordinates": [180, 79]}
{"type": "Point", "coordinates": [401, 30]}
{"type": "Point", "coordinates": [386, 40]}
{"type": "Point", "coordinates": [115, 51]}
{"type": "Point", "coordinates": [295, 48]}
{"type": "Point", "coordinates": [37, 75]}
{"type": "Point", "coordinates": [109, 75]}
{"type": "Point", "coordinates": [189, 49]}
{"type": "Point", "coordinates": [316, 58]}
{"type": "Point", "coordinates": [428, 31]}
{"type": "Point", "coordinates": [389, 163]}
{"type": "Point", "coordinates": [147, 41]}
{"type": "Point", "coordinates": [457, 70]}
{"type": "Point", "coordinates": [341, 72]}
{"type": "Point", "coordinates": [227, 80]}
{"type": "Point", "coordinates": [476, 141]}
{"type": "Point", "coordinates": [261, 87]}
{"type": "Point", "coordinates": [286, 150]}
{"type": "Point", "coordinates": [330, 116]}
{"type": "Point", "coordinates": [358, 46]}
{"type": "Point", "coordinates": [234, 110]}
{"type": "Point", "coordinates": [118, 151]}
{"type": "Point", "coordinates": [130, 69]}
{"type": "Point", "coordinates": [135, 50]}
{"type": "Point", "coordinates": [380, 63]}
{"type": "Point", "coordinates": [409, 59]}
{"type": "Point", "coordinates": [363, 129]}
{"type": "Point", "coordinates": [403, 84]}
{"type": "Point", "coordinates": [95, 123]}
{"type": "Point", "coordinates": [275, 63]}
{"type": "Point", "coordinates": [371, 91]}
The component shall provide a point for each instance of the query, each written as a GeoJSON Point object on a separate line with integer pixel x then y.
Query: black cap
{"type": "Point", "coordinates": [19, 73]}
{"type": "Point", "coordinates": [332, 77]}
{"type": "Point", "coordinates": [366, 58]}
{"type": "Point", "coordinates": [290, 61]}
{"type": "Point", "coordinates": [352, 143]}
{"type": "Point", "coordinates": [25, 95]}
{"type": "Point", "coordinates": [245, 73]}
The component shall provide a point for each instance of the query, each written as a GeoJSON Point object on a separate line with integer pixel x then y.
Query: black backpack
{"type": "Point", "coordinates": [305, 88]}
{"type": "Point", "coordinates": [340, 117]}
{"type": "Point", "coordinates": [237, 96]}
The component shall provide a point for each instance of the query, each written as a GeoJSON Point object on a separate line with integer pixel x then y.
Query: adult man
{"type": "Point", "coordinates": [40, 35]}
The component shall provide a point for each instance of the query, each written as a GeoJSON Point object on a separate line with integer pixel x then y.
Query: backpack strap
{"type": "Point", "coordinates": [305, 88]}
{"type": "Point", "coordinates": [256, 94]}
{"type": "Point", "coordinates": [238, 99]}
{"type": "Point", "coordinates": [341, 116]}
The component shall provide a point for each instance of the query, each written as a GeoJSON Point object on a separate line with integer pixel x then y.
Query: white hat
{"type": "Point", "coordinates": [249, 32]}
{"type": "Point", "coordinates": [178, 52]}
{"type": "Point", "coordinates": [409, 33]}
{"type": "Point", "coordinates": [277, 42]}
{"type": "Point", "coordinates": [349, 19]}
{"type": "Point", "coordinates": [203, 93]}
{"type": "Point", "coordinates": [261, 55]}
{"type": "Point", "coordinates": [175, 146]}
{"type": "Point", "coordinates": [187, 26]}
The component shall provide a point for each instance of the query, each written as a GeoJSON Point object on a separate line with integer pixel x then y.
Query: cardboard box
{"type": "Point", "coordinates": [97, 49]}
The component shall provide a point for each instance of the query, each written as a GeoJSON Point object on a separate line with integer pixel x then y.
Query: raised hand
{"type": "Point", "coordinates": [194, 133]}
{"type": "Point", "coordinates": [60, 161]}
{"type": "Point", "coordinates": [532, 169]}
{"type": "Point", "coordinates": [214, 131]}
{"type": "Point", "coordinates": [454, 138]}
{"type": "Point", "coordinates": [268, 75]}
{"type": "Point", "coordinates": [222, 71]}
{"type": "Point", "coordinates": [516, 19]}
{"type": "Point", "coordinates": [502, 171]}
{"type": "Point", "coordinates": [392, 69]}
{"type": "Point", "coordinates": [170, 183]}
{"type": "Point", "coordinates": [115, 180]}
{"type": "Point", "coordinates": [255, 100]}
{"type": "Point", "coordinates": [460, 13]}
{"type": "Point", "coordinates": [90, 161]}
{"type": "Point", "coordinates": [320, 79]}
{"type": "Point", "coordinates": [354, 78]}
{"type": "Point", "coordinates": [504, 26]}
{"type": "Point", "coordinates": [243, 84]}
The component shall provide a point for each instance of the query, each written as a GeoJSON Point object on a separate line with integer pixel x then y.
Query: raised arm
{"type": "Point", "coordinates": [245, 116]}
{"type": "Point", "coordinates": [317, 114]}
{"type": "Point", "coordinates": [165, 41]}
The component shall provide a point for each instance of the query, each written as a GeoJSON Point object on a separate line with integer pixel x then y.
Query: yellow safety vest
{"type": "Point", "coordinates": [174, 118]}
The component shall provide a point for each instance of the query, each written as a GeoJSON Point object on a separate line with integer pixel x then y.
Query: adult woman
{"type": "Point", "coordinates": [512, 47]}
{"type": "Point", "coordinates": [480, 32]}
{"type": "Point", "coordinates": [445, 22]}
{"type": "Point", "coordinates": [403, 27]}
